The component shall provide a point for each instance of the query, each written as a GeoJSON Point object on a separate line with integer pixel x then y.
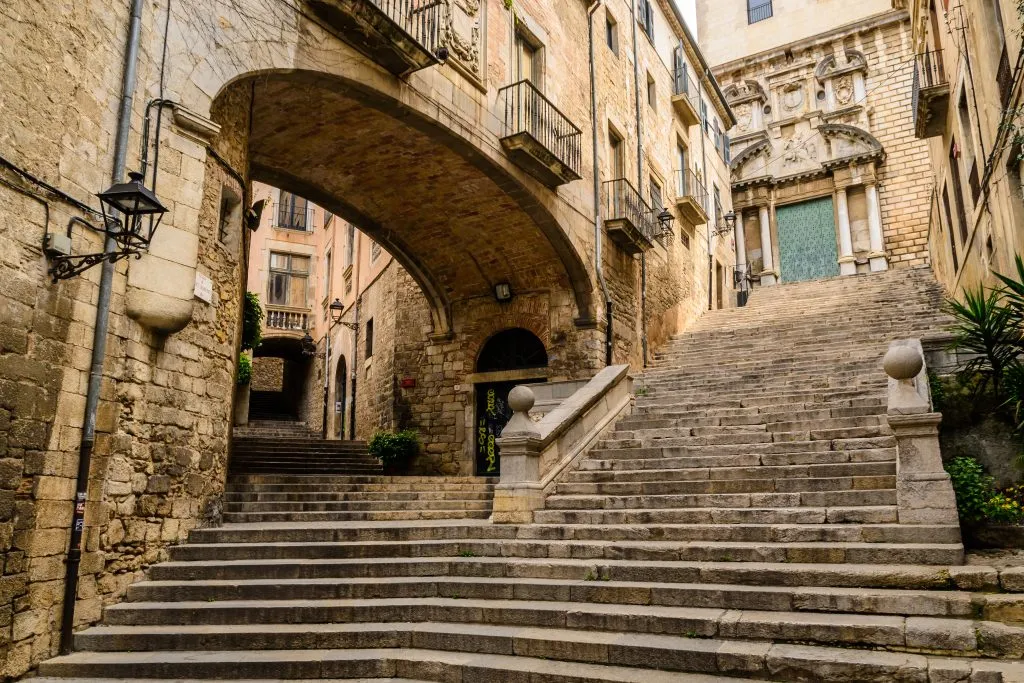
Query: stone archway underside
{"type": "Point", "coordinates": [453, 219]}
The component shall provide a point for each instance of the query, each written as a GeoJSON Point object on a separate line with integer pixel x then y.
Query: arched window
{"type": "Point", "coordinates": [512, 349]}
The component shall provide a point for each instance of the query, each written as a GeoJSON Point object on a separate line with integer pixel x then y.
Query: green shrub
{"type": "Point", "coordinates": [395, 449]}
{"type": "Point", "coordinates": [1003, 509]}
{"type": "Point", "coordinates": [973, 488]}
{"type": "Point", "coordinates": [244, 369]}
{"type": "Point", "coordinates": [252, 321]}
{"type": "Point", "coordinates": [987, 328]}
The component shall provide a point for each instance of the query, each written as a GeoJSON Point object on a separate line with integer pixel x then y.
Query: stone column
{"type": "Point", "coordinates": [769, 276]}
{"type": "Point", "coordinates": [877, 255]}
{"type": "Point", "coordinates": [924, 493]}
{"type": "Point", "coordinates": [847, 261]}
{"type": "Point", "coordinates": [519, 492]}
{"type": "Point", "coordinates": [741, 240]}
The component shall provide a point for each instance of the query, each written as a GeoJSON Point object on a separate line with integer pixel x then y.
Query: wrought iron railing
{"type": "Point", "coordinates": [528, 111]}
{"type": "Point", "coordinates": [623, 202]}
{"type": "Point", "coordinates": [683, 83]}
{"type": "Point", "coordinates": [689, 185]}
{"type": "Point", "coordinates": [759, 12]}
{"type": "Point", "coordinates": [928, 69]}
{"type": "Point", "coordinates": [420, 19]}
{"type": "Point", "coordinates": [292, 217]}
{"type": "Point", "coordinates": [286, 319]}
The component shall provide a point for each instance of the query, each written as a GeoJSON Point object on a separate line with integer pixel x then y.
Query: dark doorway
{"type": "Point", "coordinates": [509, 350]}
{"type": "Point", "coordinates": [340, 391]}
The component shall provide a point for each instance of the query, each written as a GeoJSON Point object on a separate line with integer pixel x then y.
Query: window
{"type": "Point", "coordinates": [680, 73]}
{"type": "Point", "coordinates": [1004, 75]}
{"type": "Point", "coordinates": [704, 117]}
{"type": "Point", "coordinates": [718, 135]}
{"type": "Point", "coordinates": [293, 212]}
{"type": "Point", "coordinates": [657, 203]}
{"type": "Point", "coordinates": [369, 338]}
{"type": "Point", "coordinates": [758, 10]}
{"type": "Point", "coordinates": [289, 279]}
{"type": "Point", "coordinates": [958, 192]}
{"type": "Point", "coordinates": [726, 149]}
{"type": "Point", "coordinates": [652, 92]}
{"type": "Point", "coordinates": [528, 59]}
{"type": "Point", "coordinates": [350, 247]}
{"type": "Point", "coordinates": [328, 274]}
{"type": "Point", "coordinates": [616, 155]}
{"type": "Point", "coordinates": [967, 152]}
{"type": "Point", "coordinates": [328, 216]}
{"type": "Point", "coordinates": [949, 228]}
{"type": "Point", "coordinates": [611, 32]}
{"type": "Point", "coordinates": [646, 17]}
{"type": "Point", "coordinates": [374, 251]}
{"type": "Point", "coordinates": [681, 189]}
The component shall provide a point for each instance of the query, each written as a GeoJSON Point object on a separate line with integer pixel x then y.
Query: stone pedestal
{"type": "Point", "coordinates": [519, 493]}
{"type": "Point", "coordinates": [241, 414]}
{"type": "Point", "coordinates": [924, 493]}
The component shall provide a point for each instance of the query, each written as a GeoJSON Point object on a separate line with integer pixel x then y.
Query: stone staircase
{"type": "Point", "coordinates": [290, 447]}
{"type": "Point", "coordinates": [741, 524]}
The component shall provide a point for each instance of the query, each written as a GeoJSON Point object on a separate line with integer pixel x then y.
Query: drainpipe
{"type": "Point", "coordinates": [640, 184]}
{"type": "Point", "coordinates": [598, 236]}
{"type": "Point", "coordinates": [99, 339]}
{"type": "Point", "coordinates": [355, 371]}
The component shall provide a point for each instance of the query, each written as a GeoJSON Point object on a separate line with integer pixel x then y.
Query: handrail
{"type": "Point", "coordinates": [420, 19]}
{"type": "Point", "coordinates": [527, 110]}
{"type": "Point", "coordinates": [689, 185]}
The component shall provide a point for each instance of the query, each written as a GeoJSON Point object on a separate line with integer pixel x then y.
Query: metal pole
{"type": "Point", "coordinates": [99, 340]}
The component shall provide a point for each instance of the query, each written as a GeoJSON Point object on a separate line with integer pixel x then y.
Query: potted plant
{"type": "Point", "coordinates": [395, 450]}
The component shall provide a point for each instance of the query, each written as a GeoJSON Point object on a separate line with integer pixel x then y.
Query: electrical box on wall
{"type": "Point", "coordinates": [56, 244]}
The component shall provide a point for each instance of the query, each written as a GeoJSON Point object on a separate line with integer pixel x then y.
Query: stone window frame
{"type": "Point", "coordinates": [652, 92]}
{"type": "Point", "coordinates": [291, 275]}
{"type": "Point", "coordinates": [611, 32]}
{"type": "Point", "coordinates": [530, 32]}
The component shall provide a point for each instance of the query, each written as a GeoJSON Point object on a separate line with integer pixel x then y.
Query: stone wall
{"type": "Point", "coordinates": [267, 374]}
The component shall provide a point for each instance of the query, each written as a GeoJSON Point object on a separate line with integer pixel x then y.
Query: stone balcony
{"type": "Point", "coordinates": [691, 198]}
{"type": "Point", "coordinates": [402, 36]}
{"type": "Point", "coordinates": [538, 137]}
{"type": "Point", "coordinates": [286, 319]}
{"type": "Point", "coordinates": [930, 95]}
{"type": "Point", "coordinates": [686, 96]}
{"type": "Point", "coordinates": [629, 220]}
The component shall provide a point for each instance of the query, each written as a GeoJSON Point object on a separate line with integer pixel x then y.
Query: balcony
{"type": "Point", "coordinates": [691, 198]}
{"type": "Point", "coordinates": [538, 137]}
{"type": "Point", "coordinates": [287, 319]}
{"type": "Point", "coordinates": [686, 97]}
{"type": "Point", "coordinates": [630, 222]}
{"type": "Point", "coordinates": [402, 36]}
{"type": "Point", "coordinates": [293, 217]}
{"type": "Point", "coordinates": [930, 95]}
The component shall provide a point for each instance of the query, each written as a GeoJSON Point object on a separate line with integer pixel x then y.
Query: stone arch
{"type": "Point", "coordinates": [513, 348]}
{"type": "Point", "coordinates": [850, 144]}
{"type": "Point", "coordinates": [455, 219]}
{"type": "Point", "coordinates": [828, 67]}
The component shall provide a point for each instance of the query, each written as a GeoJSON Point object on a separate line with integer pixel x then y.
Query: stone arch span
{"type": "Point", "coordinates": [455, 219]}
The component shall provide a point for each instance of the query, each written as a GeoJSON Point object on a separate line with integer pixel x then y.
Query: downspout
{"type": "Point", "coordinates": [598, 235]}
{"type": "Point", "coordinates": [99, 339]}
{"type": "Point", "coordinates": [640, 185]}
{"type": "Point", "coordinates": [707, 187]}
{"type": "Point", "coordinates": [357, 272]}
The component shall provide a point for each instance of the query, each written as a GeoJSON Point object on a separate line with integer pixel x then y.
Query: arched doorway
{"type": "Point", "coordinates": [340, 395]}
{"type": "Point", "coordinates": [510, 357]}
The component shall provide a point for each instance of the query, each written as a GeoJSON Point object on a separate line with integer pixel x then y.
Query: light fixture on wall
{"type": "Point", "coordinates": [337, 311]}
{"type": "Point", "coordinates": [728, 227]}
{"type": "Point", "coordinates": [503, 292]}
{"type": "Point", "coordinates": [140, 215]}
{"type": "Point", "coordinates": [307, 346]}
{"type": "Point", "coordinates": [666, 220]}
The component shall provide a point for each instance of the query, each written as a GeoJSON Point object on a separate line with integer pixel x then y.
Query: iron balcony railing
{"type": "Point", "coordinates": [293, 217]}
{"type": "Point", "coordinates": [689, 185]}
{"type": "Point", "coordinates": [683, 84]}
{"type": "Point", "coordinates": [759, 12]}
{"type": "Point", "coordinates": [528, 111]}
{"type": "Point", "coordinates": [420, 19]}
{"type": "Point", "coordinates": [623, 202]}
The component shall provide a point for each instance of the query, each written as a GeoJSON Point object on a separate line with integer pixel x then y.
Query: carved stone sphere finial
{"type": "Point", "coordinates": [903, 362]}
{"type": "Point", "coordinates": [521, 399]}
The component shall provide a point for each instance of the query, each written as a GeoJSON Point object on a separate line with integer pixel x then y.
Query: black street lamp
{"type": "Point", "coordinates": [140, 215]}
{"type": "Point", "coordinates": [337, 310]}
{"type": "Point", "coordinates": [728, 227]}
{"type": "Point", "coordinates": [307, 346]}
{"type": "Point", "coordinates": [666, 220]}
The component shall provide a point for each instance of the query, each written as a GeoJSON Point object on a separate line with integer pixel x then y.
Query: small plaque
{"type": "Point", "coordinates": [408, 383]}
{"type": "Point", "coordinates": [204, 288]}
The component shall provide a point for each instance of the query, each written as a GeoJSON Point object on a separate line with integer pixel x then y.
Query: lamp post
{"type": "Point", "coordinates": [720, 229]}
{"type": "Point", "coordinates": [337, 310]}
{"type": "Point", "coordinates": [129, 235]}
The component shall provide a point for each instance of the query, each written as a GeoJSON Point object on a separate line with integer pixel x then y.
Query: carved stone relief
{"type": "Point", "coordinates": [744, 116]}
{"type": "Point", "coordinates": [844, 90]}
{"type": "Point", "coordinates": [792, 97]}
{"type": "Point", "coordinates": [462, 35]}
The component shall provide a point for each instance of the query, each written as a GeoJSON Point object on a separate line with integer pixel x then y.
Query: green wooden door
{"type": "Point", "coordinates": [807, 240]}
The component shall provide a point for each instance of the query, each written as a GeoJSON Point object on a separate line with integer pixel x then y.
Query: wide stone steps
{"type": "Point", "coordinates": [594, 472]}
{"type": "Point", "coordinates": [866, 514]}
{"type": "Point", "coordinates": [596, 501]}
{"type": "Point", "coordinates": [559, 630]}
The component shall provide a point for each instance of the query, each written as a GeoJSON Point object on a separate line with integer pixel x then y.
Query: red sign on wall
{"type": "Point", "coordinates": [408, 383]}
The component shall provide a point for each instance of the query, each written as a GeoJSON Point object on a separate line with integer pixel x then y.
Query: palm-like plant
{"type": "Point", "coordinates": [987, 327]}
{"type": "Point", "coordinates": [1013, 293]}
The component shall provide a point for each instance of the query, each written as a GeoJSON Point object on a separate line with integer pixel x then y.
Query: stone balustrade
{"type": "Point", "coordinates": [924, 493]}
{"type": "Point", "coordinates": [535, 454]}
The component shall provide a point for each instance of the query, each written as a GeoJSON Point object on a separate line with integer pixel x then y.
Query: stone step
{"type": "Point", "coordinates": [881, 514]}
{"type": "Point", "coordinates": [593, 589]}
{"type": "Point", "coordinates": [668, 485]}
{"type": "Point", "coordinates": [358, 505]}
{"type": "Point", "coordinates": [374, 664]}
{"type": "Point", "coordinates": [723, 500]}
{"type": "Point", "coordinates": [317, 496]}
{"type": "Point", "coordinates": [685, 551]}
{"type": "Point", "coordinates": [436, 482]}
{"type": "Point", "coordinates": [396, 513]}
{"type": "Point", "coordinates": [591, 472]}
{"type": "Point", "coordinates": [899, 577]}
{"type": "Point", "coordinates": [356, 623]}
{"type": "Point", "coordinates": [732, 462]}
